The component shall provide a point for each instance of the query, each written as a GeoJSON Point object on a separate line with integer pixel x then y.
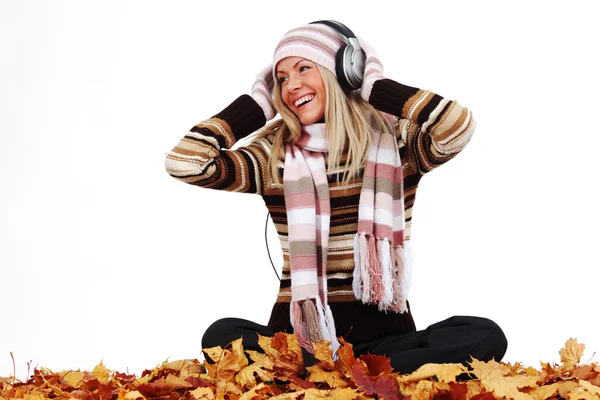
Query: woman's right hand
{"type": "Point", "coordinates": [262, 92]}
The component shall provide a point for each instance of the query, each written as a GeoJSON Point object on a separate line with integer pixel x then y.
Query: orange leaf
{"type": "Point", "coordinates": [322, 353]}
{"type": "Point", "coordinates": [346, 359]}
{"type": "Point", "coordinates": [377, 364]}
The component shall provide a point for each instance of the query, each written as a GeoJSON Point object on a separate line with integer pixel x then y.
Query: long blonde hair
{"type": "Point", "coordinates": [348, 129]}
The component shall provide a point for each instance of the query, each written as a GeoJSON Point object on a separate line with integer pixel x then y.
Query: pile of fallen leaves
{"type": "Point", "coordinates": [279, 373]}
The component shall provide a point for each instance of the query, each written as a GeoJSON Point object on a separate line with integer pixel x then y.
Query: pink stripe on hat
{"type": "Point", "coordinates": [316, 42]}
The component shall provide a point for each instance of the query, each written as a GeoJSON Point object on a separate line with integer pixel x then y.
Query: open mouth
{"type": "Point", "coordinates": [304, 100]}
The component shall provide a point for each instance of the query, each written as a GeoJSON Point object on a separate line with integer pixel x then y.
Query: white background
{"type": "Point", "coordinates": [104, 256]}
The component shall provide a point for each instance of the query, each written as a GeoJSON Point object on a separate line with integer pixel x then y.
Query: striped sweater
{"type": "Point", "coordinates": [430, 131]}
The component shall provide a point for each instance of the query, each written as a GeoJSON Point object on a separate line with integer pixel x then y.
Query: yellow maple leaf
{"type": "Point", "coordinates": [214, 352]}
{"type": "Point", "coordinates": [488, 369]}
{"type": "Point", "coordinates": [571, 354]}
{"type": "Point", "coordinates": [133, 395]}
{"type": "Point", "coordinates": [255, 356]}
{"type": "Point", "coordinates": [34, 396]}
{"type": "Point", "coordinates": [101, 373]}
{"type": "Point", "coordinates": [444, 372]}
{"type": "Point", "coordinates": [72, 378]}
{"type": "Point", "coordinates": [322, 352]}
{"type": "Point", "coordinates": [335, 378]}
{"type": "Point", "coordinates": [564, 387]}
{"type": "Point", "coordinates": [508, 386]}
{"type": "Point", "coordinates": [544, 392]}
{"type": "Point", "coordinates": [246, 376]}
{"type": "Point", "coordinates": [251, 394]}
{"type": "Point", "coordinates": [203, 393]}
{"type": "Point", "coordinates": [593, 389]}
{"type": "Point", "coordinates": [187, 367]}
{"type": "Point", "coordinates": [580, 393]}
{"type": "Point", "coordinates": [334, 394]}
{"type": "Point", "coordinates": [238, 349]}
{"type": "Point", "coordinates": [474, 388]}
{"type": "Point", "coordinates": [177, 383]}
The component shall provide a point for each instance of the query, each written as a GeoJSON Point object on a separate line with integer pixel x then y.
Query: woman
{"type": "Point", "coordinates": [338, 174]}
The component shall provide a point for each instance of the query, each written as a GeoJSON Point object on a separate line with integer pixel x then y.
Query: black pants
{"type": "Point", "coordinates": [454, 340]}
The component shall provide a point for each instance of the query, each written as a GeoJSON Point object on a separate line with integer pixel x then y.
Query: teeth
{"type": "Point", "coordinates": [304, 99]}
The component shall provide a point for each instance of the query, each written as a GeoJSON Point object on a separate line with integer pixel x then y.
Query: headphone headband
{"type": "Point", "coordinates": [338, 26]}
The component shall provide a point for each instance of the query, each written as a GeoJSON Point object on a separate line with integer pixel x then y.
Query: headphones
{"type": "Point", "coordinates": [350, 58]}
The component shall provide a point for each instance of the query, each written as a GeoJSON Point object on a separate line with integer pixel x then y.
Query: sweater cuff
{"type": "Point", "coordinates": [390, 96]}
{"type": "Point", "coordinates": [243, 116]}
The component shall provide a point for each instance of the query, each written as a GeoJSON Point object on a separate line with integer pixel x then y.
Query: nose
{"type": "Point", "coordinates": [294, 83]}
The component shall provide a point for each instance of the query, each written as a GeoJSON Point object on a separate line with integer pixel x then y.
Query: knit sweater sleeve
{"type": "Point", "coordinates": [437, 128]}
{"type": "Point", "coordinates": [203, 156]}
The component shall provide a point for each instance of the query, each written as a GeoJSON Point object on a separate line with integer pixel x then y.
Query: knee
{"type": "Point", "coordinates": [216, 333]}
{"type": "Point", "coordinates": [495, 344]}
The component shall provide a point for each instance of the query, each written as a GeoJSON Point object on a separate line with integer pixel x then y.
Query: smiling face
{"type": "Point", "coordinates": [302, 88]}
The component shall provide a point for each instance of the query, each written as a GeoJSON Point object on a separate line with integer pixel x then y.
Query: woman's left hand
{"type": "Point", "coordinates": [373, 70]}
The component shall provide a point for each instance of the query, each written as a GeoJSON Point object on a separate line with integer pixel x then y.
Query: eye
{"type": "Point", "coordinates": [304, 68]}
{"type": "Point", "coordinates": [282, 79]}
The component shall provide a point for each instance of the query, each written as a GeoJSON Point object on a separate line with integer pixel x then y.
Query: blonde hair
{"type": "Point", "coordinates": [349, 123]}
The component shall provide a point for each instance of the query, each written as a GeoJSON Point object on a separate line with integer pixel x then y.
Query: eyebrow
{"type": "Point", "coordinates": [293, 66]}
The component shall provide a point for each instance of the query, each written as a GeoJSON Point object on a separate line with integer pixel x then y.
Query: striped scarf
{"type": "Point", "coordinates": [380, 251]}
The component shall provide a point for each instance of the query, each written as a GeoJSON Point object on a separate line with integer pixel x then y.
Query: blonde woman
{"type": "Point", "coordinates": [338, 173]}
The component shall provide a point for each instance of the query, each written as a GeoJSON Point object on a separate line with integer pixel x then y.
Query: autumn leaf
{"type": "Point", "coordinates": [571, 354]}
{"type": "Point", "coordinates": [384, 386]}
{"type": "Point", "coordinates": [101, 373]}
{"type": "Point", "coordinates": [444, 372]}
{"type": "Point", "coordinates": [346, 359]}
{"type": "Point", "coordinates": [334, 379]}
{"type": "Point", "coordinates": [322, 353]}
{"type": "Point", "coordinates": [203, 393]}
{"type": "Point", "coordinates": [73, 378]}
{"type": "Point", "coordinates": [285, 351]}
{"type": "Point", "coordinates": [376, 365]}
{"type": "Point", "coordinates": [278, 373]}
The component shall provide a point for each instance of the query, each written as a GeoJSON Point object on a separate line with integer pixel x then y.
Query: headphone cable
{"type": "Point", "coordinates": [267, 244]}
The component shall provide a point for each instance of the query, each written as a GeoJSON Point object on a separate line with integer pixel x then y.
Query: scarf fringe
{"type": "Point", "coordinates": [382, 273]}
{"type": "Point", "coordinates": [313, 322]}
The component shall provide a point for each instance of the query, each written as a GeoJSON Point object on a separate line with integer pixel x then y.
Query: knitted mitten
{"type": "Point", "coordinates": [373, 70]}
{"type": "Point", "coordinates": [262, 91]}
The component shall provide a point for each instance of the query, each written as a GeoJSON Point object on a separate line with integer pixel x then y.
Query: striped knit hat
{"type": "Point", "coordinates": [318, 43]}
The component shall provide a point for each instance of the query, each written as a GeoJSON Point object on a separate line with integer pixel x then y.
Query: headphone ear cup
{"type": "Point", "coordinates": [341, 63]}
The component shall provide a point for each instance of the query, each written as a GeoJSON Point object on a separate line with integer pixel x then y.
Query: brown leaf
{"type": "Point", "coordinates": [585, 372]}
{"type": "Point", "coordinates": [384, 386]}
{"type": "Point", "coordinates": [377, 364]}
{"type": "Point", "coordinates": [301, 383]}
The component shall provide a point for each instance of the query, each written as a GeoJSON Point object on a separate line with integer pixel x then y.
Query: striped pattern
{"type": "Point", "coordinates": [381, 268]}
{"type": "Point", "coordinates": [435, 132]}
{"type": "Point", "coordinates": [316, 42]}
{"type": "Point", "coordinates": [373, 69]}
{"type": "Point", "coordinates": [306, 192]}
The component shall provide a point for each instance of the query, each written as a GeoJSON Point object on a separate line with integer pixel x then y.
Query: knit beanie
{"type": "Point", "coordinates": [318, 43]}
